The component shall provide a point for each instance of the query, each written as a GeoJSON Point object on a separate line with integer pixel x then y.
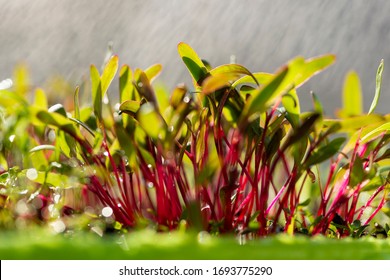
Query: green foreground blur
{"type": "Point", "coordinates": [147, 245]}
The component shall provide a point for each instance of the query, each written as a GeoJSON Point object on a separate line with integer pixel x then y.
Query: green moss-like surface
{"type": "Point", "coordinates": [145, 245]}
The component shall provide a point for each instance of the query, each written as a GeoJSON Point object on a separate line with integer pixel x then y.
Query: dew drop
{"type": "Point", "coordinates": [150, 185]}
{"type": "Point", "coordinates": [56, 198]}
{"type": "Point", "coordinates": [5, 84]}
{"type": "Point", "coordinates": [204, 237]}
{"type": "Point", "coordinates": [52, 136]}
{"type": "Point", "coordinates": [186, 99]}
{"type": "Point", "coordinates": [11, 138]}
{"type": "Point", "coordinates": [56, 164]}
{"type": "Point", "coordinates": [150, 166]}
{"type": "Point", "coordinates": [58, 226]}
{"type": "Point", "coordinates": [140, 84]}
{"type": "Point", "coordinates": [107, 211]}
{"type": "Point", "coordinates": [32, 174]}
{"type": "Point", "coordinates": [105, 153]}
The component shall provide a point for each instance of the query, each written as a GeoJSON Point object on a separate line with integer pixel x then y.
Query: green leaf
{"type": "Point", "coordinates": [40, 99]}
{"type": "Point", "coordinates": [177, 96]}
{"type": "Point", "coordinates": [233, 70]}
{"type": "Point", "coordinates": [130, 107]}
{"type": "Point", "coordinates": [357, 172]}
{"type": "Point", "coordinates": [76, 103]}
{"type": "Point", "coordinates": [51, 178]}
{"type": "Point", "coordinates": [61, 122]}
{"type": "Point", "coordinates": [375, 132]}
{"type": "Point", "coordinates": [216, 82]}
{"type": "Point", "coordinates": [194, 64]}
{"type": "Point", "coordinates": [260, 77]}
{"type": "Point", "coordinates": [144, 88]}
{"type": "Point", "coordinates": [354, 123]}
{"type": "Point", "coordinates": [373, 184]}
{"type": "Point", "coordinates": [21, 80]}
{"type": "Point", "coordinates": [151, 121]}
{"type": "Point", "coordinates": [302, 131]}
{"type": "Point", "coordinates": [352, 95]}
{"type": "Point", "coordinates": [325, 152]}
{"type": "Point", "coordinates": [97, 97]}
{"type": "Point", "coordinates": [377, 88]}
{"type": "Point", "coordinates": [153, 71]}
{"type": "Point", "coordinates": [126, 86]}
{"type": "Point", "coordinates": [260, 99]}
{"type": "Point", "coordinates": [109, 73]}
{"type": "Point", "coordinates": [312, 67]}
{"type": "Point", "coordinates": [290, 102]}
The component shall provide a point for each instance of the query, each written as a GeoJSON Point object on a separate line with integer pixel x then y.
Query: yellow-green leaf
{"type": "Point", "coordinates": [377, 88]}
{"type": "Point", "coordinates": [130, 107]}
{"type": "Point", "coordinates": [109, 73]}
{"type": "Point", "coordinates": [352, 95]}
{"type": "Point", "coordinates": [153, 71]}
{"type": "Point", "coordinates": [194, 64]}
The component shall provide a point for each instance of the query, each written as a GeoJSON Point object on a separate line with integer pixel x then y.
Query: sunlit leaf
{"type": "Point", "coordinates": [325, 152]}
{"type": "Point", "coordinates": [384, 128]}
{"type": "Point", "coordinates": [109, 73]}
{"type": "Point", "coordinates": [260, 98]}
{"type": "Point", "coordinates": [290, 102]}
{"type": "Point", "coordinates": [97, 97]}
{"type": "Point", "coordinates": [144, 88]}
{"type": "Point", "coordinates": [76, 103]}
{"type": "Point", "coordinates": [352, 95]}
{"type": "Point", "coordinates": [40, 99]}
{"type": "Point", "coordinates": [260, 77]}
{"type": "Point", "coordinates": [21, 80]}
{"type": "Point", "coordinates": [233, 70]}
{"type": "Point", "coordinates": [354, 123]}
{"type": "Point", "coordinates": [153, 72]}
{"type": "Point", "coordinates": [151, 121]}
{"type": "Point", "coordinates": [217, 81]}
{"type": "Point", "coordinates": [59, 121]}
{"type": "Point", "coordinates": [194, 64]}
{"type": "Point", "coordinates": [378, 83]}
{"type": "Point", "coordinates": [126, 86]}
{"type": "Point", "coordinates": [312, 67]}
{"type": "Point", "coordinates": [130, 107]}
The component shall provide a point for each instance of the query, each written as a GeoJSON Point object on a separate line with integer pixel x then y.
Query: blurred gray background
{"type": "Point", "coordinates": [65, 37]}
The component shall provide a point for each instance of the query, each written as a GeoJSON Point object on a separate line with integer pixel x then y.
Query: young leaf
{"type": "Point", "coordinates": [378, 87]}
{"type": "Point", "coordinates": [194, 64]}
{"type": "Point", "coordinates": [109, 73]}
{"type": "Point", "coordinates": [97, 97]}
{"type": "Point", "coordinates": [259, 100]}
{"type": "Point", "coordinates": [352, 95]}
{"type": "Point", "coordinates": [151, 121]}
{"type": "Point", "coordinates": [59, 121]}
{"type": "Point", "coordinates": [40, 99]}
{"type": "Point", "coordinates": [325, 152]}
{"type": "Point", "coordinates": [76, 103]}
{"type": "Point", "coordinates": [375, 132]}
{"type": "Point", "coordinates": [125, 83]}
{"type": "Point", "coordinates": [290, 102]}
{"type": "Point", "coordinates": [130, 107]}
{"type": "Point", "coordinates": [260, 77]}
{"type": "Point", "coordinates": [153, 71]}
{"type": "Point", "coordinates": [233, 70]}
{"type": "Point", "coordinates": [312, 67]}
{"type": "Point", "coordinates": [217, 81]}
